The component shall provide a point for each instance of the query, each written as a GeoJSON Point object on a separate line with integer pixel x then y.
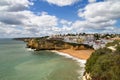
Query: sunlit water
{"type": "Point", "coordinates": [18, 63]}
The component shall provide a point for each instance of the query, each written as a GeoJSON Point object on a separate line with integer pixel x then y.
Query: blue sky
{"type": "Point", "coordinates": [65, 12]}
{"type": "Point", "coordinates": [31, 18]}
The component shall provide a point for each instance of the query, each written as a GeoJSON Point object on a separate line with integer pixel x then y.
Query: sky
{"type": "Point", "coordinates": [35, 18]}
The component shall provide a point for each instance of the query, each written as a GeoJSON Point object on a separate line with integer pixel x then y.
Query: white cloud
{"type": "Point", "coordinates": [112, 0]}
{"type": "Point", "coordinates": [101, 11]}
{"type": "Point", "coordinates": [14, 5]}
{"type": "Point", "coordinates": [22, 22]}
{"type": "Point", "coordinates": [100, 15]}
{"type": "Point", "coordinates": [62, 2]}
{"type": "Point", "coordinates": [65, 22]}
{"type": "Point", "coordinates": [10, 31]}
{"type": "Point", "coordinates": [86, 26]}
{"type": "Point", "coordinates": [29, 21]}
{"type": "Point", "coordinates": [91, 1]}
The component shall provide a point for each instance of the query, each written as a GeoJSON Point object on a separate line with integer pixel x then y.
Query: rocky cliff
{"type": "Point", "coordinates": [45, 44]}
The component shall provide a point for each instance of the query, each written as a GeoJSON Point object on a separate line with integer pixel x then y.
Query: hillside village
{"type": "Point", "coordinates": [95, 40]}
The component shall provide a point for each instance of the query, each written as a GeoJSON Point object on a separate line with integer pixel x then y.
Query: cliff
{"type": "Point", "coordinates": [49, 44]}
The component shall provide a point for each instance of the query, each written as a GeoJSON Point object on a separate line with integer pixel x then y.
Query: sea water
{"type": "Point", "coordinates": [19, 63]}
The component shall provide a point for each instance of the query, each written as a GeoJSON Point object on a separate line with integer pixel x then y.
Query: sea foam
{"type": "Point", "coordinates": [29, 49]}
{"type": "Point", "coordinates": [72, 57]}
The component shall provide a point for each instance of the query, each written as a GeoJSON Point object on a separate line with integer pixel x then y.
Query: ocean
{"type": "Point", "coordinates": [19, 63]}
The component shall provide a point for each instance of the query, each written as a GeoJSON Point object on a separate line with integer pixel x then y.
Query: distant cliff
{"type": "Point", "coordinates": [51, 44]}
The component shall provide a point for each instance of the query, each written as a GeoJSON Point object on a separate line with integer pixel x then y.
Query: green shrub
{"type": "Point", "coordinates": [104, 65]}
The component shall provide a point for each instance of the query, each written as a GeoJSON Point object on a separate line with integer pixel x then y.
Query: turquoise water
{"type": "Point", "coordinates": [17, 63]}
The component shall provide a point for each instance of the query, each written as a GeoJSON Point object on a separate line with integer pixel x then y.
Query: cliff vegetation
{"type": "Point", "coordinates": [104, 64]}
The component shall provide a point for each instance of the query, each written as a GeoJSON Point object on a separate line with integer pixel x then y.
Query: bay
{"type": "Point", "coordinates": [18, 63]}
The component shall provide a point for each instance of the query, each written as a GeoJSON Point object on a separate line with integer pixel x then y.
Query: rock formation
{"type": "Point", "coordinates": [46, 44]}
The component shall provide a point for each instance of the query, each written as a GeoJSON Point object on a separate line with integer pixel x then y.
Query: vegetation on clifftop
{"type": "Point", "coordinates": [104, 64]}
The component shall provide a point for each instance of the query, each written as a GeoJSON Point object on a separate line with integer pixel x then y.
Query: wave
{"type": "Point", "coordinates": [29, 49]}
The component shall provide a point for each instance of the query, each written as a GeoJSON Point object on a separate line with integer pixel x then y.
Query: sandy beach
{"type": "Point", "coordinates": [81, 54]}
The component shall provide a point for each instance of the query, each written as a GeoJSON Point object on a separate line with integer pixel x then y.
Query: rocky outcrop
{"type": "Point", "coordinates": [32, 44]}
{"type": "Point", "coordinates": [87, 76]}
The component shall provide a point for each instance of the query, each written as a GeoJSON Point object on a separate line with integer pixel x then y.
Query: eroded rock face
{"type": "Point", "coordinates": [54, 45]}
{"type": "Point", "coordinates": [32, 44]}
{"type": "Point", "coordinates": [87, 76]}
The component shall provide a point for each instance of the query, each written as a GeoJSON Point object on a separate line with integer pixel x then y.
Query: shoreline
{"type": "Point", "coordinates": [69, 56]}
{"type": "Point", "coordinates": [69, 53]}
{"type": "Point", "coordinates": [81, 62]}
{"type": "Point", "coordinates": [79, 58]}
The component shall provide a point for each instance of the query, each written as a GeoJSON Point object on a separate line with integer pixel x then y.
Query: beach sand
{"type": "Point", "coordinates": [81, 54]}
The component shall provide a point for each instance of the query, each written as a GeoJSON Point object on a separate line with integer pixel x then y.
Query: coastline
{"type": "Point", "coordinates": [80, 57]}
{"type": "Point", "coordinates": [69, 56]}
